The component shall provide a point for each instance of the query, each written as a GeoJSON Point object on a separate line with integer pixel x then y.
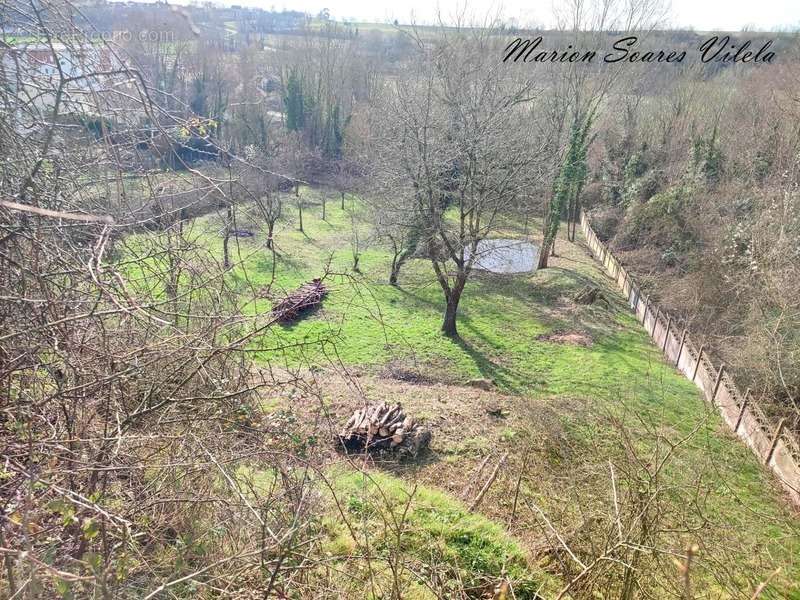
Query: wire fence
{"type": "Point", "coordinates": [768, 439]}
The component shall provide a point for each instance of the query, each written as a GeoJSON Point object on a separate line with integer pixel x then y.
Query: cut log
{"type": "Point", "coordinates": [390, 415]}
{"type": "Point", "coordinates": [382, 426]}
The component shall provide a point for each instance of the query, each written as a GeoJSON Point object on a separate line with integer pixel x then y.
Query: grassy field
{"type": "Point", "coordinates": [600, 435]}
{"type": "Point", "coordinates": [372, 323]}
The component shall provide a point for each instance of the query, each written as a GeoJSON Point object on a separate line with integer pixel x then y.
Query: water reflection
{"type": "Point", "coordinates": [506, 256]}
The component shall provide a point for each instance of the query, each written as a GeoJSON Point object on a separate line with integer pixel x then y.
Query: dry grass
{"type": "Point", "coordinates": [576, 338]}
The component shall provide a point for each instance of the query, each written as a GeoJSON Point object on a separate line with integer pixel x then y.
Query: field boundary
{"type": "Point", "coordinates": [768, 440]}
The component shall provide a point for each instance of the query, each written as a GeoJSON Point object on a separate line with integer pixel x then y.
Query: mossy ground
{"type": "Point", "coordinates": [573, 410]}
{"type": "Point", "coordinates": [395, 518]}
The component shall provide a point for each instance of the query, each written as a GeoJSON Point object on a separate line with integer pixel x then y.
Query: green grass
{"type": "Point", "coordinates": [427, 529]}
{"type": "Point", "coordinates": [621, 377]}
{"type": "Point", "coordinates": [409, 530]}
{"type": "Point", "coordinates": [371, 322]}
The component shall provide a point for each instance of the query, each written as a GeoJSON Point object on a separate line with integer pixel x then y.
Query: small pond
{"type": "Point", "coordinates": [506, 256]}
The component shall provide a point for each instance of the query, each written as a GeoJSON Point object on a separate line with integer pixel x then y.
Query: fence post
{"type": "Point", "coordinates": [655, 321]}
{"type": "Point", "coordinates": [680, 348]}
{"type": "Point", "coordinates": [699, 359]}
{"type": "Point", "coordinates": [775, 439]}
{"type": "Point", "coordinates": [646, 304]}
{"type": "Point", "coordinates": [624, 281]}
{"type": "Point", "coordinates": [741, 410]}
{"type": "Point", "coordinates": [666, 334]}
{"type": "Point", "coordinates": [720, 373]}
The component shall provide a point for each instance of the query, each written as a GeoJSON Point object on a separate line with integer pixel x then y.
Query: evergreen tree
{"type": "Point", "coordinates": [293, 103]}
{"type": "Point", "coordinates": [707, 159]}
{"type": "Point", "coordinates": [334, 135]}
{"type": "Point", "coordinates": [568, 185]}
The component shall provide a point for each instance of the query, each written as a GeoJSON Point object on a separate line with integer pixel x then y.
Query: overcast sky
{"type": "Point", "coordinates": [729, 15]}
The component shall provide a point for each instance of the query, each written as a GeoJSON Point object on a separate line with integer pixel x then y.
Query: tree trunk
{"type": "Point", "coordinates": [449, 327]}
{"type": "Point", "coordinates": [226, 262]}
{"type": "Point", "coordinates": [569, 220]}
{"type": "Point", "coordinates": [395, 272]}
{"type": "Point", "coordinates": [323, 207]}
{"type": "Point", "coordinates": [572, 214]}
{"type": "Point", "coordinates": [299, 204]}
{"type": "Point", "coordinates": [576, 215]}
{"type": "Point", "coordinates": [300, 213]}
{"type": "Point", "coordinates": [449, 324]}
{"type": "Point", "coordinates": [398, 260]}
{"type": "Point", "coordinates": [544, 255]}
{"type": "Point", "coordinates": [342, 193]}
{"type": "Point", "coordinates": [270, 229]}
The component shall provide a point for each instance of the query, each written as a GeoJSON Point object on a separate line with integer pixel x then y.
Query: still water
{"type": "Point", "coordinates": [506, 256]}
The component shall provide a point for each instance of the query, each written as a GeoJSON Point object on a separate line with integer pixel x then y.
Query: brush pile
{"type": "Point", "coordinates": [589, 295]}
{"type": "Point", "coordinates": [383, 427]}
{"type": "Point", "coordinates": [302, 300]}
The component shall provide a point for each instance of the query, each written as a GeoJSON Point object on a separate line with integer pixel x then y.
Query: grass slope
{"type": "Point", "coordinates": [614, 401]}
{"type": "Point", "coordinates": [395, 518]}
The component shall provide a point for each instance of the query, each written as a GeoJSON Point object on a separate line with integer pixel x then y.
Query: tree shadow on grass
{"type": "Point", "coordinates": [537, 289]}
{"type": "Point", "coordinates": [550, 300]}
{"type": "Point", "coordinates": [285, 262]}
{"type": "Point", "coordinates": [501, 376]}
{"type": "Point", "coordinates": [421, 301]}
{"type": "Point", "coordinates": [307, 313]}
{"type": "Point", "coordinates": [406, 465]}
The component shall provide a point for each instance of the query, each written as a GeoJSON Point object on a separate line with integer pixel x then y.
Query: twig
{"type": "Point", "coordinates": [45, 212]}
{"type": "Point", "coordinates": [763, 585]}
{"type": "Point", "coordinates": [488, 483]}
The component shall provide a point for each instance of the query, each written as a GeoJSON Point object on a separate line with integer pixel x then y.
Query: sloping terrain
{"type": "Point", "coordinates": [615, 476]}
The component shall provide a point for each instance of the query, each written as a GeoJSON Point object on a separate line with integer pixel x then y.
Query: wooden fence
{"type": "Point", "coordinates": [773, 445]}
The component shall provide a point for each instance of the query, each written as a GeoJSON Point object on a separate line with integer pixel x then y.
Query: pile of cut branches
{"type": "Point", "coordinates": [297, 303]}
{"type": "Point", "coordinates": [589, 295]}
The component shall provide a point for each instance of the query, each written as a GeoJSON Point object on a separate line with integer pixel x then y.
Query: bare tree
{"type": "Point", "coordinates": [123, 362]}
{"type": "Point", "coordinates": [396, 224]}
{"type": "Point", "coordinates": [579, 93]}
{"type": "Point", "coordinates": [452, 132]}
{"type": "Point", "coordinates": [261, 183]}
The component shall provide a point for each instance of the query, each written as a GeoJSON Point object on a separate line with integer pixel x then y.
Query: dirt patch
{"type": "Point", "coordinates": [472, 430]}
{"type": "Point", "coordinates": [575, 338]}
{"type": "Point", "coordinates": [400, 372]}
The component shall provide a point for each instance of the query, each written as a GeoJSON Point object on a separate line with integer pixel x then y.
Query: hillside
{"type": "Point", "coordinates": [581, 402]}
{"type": "Point", "coordinates": [306, 309]}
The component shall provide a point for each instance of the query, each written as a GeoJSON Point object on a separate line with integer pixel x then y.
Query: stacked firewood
{"type": "Point", "coordinates": [300, 301]}
{"type": "Point", "coordinates": [383, 427]}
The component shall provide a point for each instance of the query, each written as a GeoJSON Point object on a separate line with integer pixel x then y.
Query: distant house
{"type": "Point", "coordinates": [28, 61]}
{"type": "Point", "coordinates": [37, 68]}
